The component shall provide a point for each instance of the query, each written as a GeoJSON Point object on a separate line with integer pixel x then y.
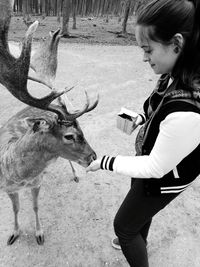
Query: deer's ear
{"type": "Point", "coordinates": [37, 124]}
{"type": "Point", "coordinates": [51, 33]}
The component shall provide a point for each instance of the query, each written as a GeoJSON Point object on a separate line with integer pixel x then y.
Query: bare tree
{"type": "Point", "coordinates": [59, 10]}
{"type": "Point", "coordinates": [66, 15]}
{"type": "Point", "coordinates": [74, 5]}
{"type": "Point", "coordinates": [121, 9]}
{"type": "Point", "coordinates": [36, 6]}
{"type": "Point", "coordinates": [26, 9]}
{"type": "Point", "coordinates": [127, 10]}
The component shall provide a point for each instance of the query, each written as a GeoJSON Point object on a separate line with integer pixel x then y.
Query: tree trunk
{"type": "Point", "coordinates": [66, 14]}
{"type": "Point", "coordinates": [47, 7]}
{"type": "Point", "coordinates": [36, 6]}
{"type": "Point", "coordinates": [74, 4]}
{"type": "Point", "coordinates": [127, 10]}
{"type": "Point", "coordinates": [43, 3]}
{"type": "Point", "coordinates": [121, 10]}
{"type": "Point", "coordinates": [59, 10]}
{"type": "Point", "coordinates": [107, 5]}
{"type": "Point", "coordinates": [26, 10]}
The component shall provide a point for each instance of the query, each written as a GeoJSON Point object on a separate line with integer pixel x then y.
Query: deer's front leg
{"type": "Point", "coordinates": [39, 232]}
{"type": "Point", "coordinates": [75, 177]}
{"type": "Point", "coordinates": [15, 203]}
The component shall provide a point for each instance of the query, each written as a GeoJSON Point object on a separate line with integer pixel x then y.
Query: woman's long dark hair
{"type": "Point", "coordinates": [165, 18]}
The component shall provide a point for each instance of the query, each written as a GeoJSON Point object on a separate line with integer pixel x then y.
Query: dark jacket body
{"type": "Point", "coordinates": [160, 104]}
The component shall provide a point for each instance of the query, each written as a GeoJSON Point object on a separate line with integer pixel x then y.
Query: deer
{"type": "Point", "coordinates": [44, 130]}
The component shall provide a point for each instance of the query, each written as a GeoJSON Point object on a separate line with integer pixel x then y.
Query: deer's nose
{"type": "Point", "coordinates": [92, 157]}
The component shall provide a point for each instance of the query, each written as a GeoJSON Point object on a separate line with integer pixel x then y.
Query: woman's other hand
{"type": "Point", "coordinates": [139, 120]}
{"type": "Point", "coordinates": [136, 122]}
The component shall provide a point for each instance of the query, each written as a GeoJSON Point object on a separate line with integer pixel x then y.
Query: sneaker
{"type": "Point", "coordinates": [115, 243]}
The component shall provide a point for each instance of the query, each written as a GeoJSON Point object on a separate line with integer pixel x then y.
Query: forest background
{"type": "Point", "coordinates": [62, 10]}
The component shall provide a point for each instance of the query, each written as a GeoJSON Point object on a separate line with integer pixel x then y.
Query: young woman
{"type": "Point", "coordinates": [168, 144]}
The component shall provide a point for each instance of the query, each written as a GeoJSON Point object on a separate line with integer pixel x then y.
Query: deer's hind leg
{"type": "Point", "coordinates": [39, 232]}
{"type": "Point", "coordinates": [15, 203]}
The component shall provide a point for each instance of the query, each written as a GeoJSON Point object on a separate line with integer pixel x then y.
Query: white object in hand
{"type": "Point", "coordinates": [126, 120]}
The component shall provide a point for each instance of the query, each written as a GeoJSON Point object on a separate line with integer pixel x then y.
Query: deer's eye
{"type": "Point", "coordinates": [69, 137]}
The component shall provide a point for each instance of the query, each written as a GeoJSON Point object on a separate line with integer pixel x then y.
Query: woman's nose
{"type": "Point", "coordinates": [145, 58]}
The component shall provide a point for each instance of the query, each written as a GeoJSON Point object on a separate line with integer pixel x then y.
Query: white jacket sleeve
{"type": "Point", "coordinates": [179, 135]}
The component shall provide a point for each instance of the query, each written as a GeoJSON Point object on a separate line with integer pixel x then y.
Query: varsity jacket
{"type": "Point", "coordinates": [161, 103]}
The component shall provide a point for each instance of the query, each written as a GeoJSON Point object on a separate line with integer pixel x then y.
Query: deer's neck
{"type": "Point", "coordinates": [25, 157]}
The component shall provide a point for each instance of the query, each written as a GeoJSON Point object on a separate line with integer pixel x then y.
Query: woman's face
{"type": "Point", "coordinates": [162, 58]}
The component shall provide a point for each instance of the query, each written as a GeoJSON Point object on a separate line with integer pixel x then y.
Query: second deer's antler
{"type": "Point", "coordinates": [14, 71]}
{"type": "Point", "coordinates": [44, 63]}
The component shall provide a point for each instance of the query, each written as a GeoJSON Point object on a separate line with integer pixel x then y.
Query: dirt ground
{"type": "Point", "coordinates": [77, 217]}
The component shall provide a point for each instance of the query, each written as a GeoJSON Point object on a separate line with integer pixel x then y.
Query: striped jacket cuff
{"type": "Point", "coordinates": [107, 163]}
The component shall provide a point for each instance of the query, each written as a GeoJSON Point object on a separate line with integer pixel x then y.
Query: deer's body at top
{"type": "Point", "coordinates": [43, 131]}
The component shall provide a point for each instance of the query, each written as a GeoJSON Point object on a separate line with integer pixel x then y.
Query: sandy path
{"type": "Point", "coordinates": [77, 217]}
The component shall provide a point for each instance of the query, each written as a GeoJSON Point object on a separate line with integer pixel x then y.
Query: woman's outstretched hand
{"type": "Point", "coordinates": [94, 166]}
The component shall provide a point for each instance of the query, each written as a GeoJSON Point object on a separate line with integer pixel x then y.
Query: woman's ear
{"type": "Point", "coordinates": [178, 43]}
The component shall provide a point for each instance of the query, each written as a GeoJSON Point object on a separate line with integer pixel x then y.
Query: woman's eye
{"type": "Point", "coordinates": [148, 52]}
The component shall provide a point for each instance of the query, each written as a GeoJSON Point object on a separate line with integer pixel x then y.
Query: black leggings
{"type": "Point", "coordinates": [133, 220]}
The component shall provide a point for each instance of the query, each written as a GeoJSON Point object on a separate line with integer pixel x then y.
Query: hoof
{"type": "Point", "coordinates": [12, 239]}
{"type": "Point", "coordinates": [76, 179]}
{"type": "Point", "coordinates": [40, 239]}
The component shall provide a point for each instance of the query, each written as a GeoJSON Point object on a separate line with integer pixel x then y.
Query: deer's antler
{"type": "Point", "coordinates": [44, 63]}
{"type": "Point", "coordinates": [44, 60]}
{"type": "Point", "coordinates": [64, 102]}
{"type": "Point", "coordinates": [14, 71]}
